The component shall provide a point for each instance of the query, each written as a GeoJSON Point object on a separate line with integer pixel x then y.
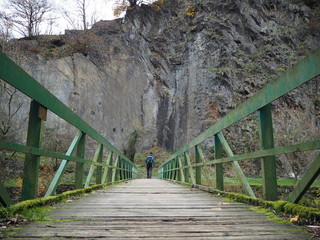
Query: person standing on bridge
{"type": "Point", "coordinates": [149, 162]}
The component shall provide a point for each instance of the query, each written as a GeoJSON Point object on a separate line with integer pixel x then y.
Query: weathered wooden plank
{"type": "Point", "coordinates": [151, 208]}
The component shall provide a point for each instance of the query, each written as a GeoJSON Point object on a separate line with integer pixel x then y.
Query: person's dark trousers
{"type": "Point", "coordinates": [149, 171]}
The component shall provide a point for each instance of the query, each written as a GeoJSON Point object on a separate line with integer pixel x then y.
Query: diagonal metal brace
{"type": "Point", "coordinates": [242, 178]}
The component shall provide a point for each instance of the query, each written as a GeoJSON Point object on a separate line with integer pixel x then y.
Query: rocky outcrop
{"type": "Point", "coordinates": [173, 69]}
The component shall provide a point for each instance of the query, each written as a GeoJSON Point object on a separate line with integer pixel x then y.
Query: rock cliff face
{"type": "Point", "coordinates": [173, 69]}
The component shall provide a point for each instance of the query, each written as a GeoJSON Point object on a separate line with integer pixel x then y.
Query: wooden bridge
{"type": "Point", "coordinates": [156, 208]}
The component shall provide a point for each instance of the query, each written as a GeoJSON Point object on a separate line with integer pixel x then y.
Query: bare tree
{"type": "Point", "coordinates": [9, 107]}
{"type": "Point", "coordinates": [26, 15]}
{"type": "Point", "coordinates": [5, 33]}
{"type": "Point", "coordinates": [80, 11]}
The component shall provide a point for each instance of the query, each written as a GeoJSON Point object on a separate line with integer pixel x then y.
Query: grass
{"type": "Point", "coordinates": [258, 181]}
{"type": "Point", "coordinates": [271, 215]}
{"type": "Point", "coordinates": [27, 208]}
{"type": "Point", "coordinates": [159, 154]}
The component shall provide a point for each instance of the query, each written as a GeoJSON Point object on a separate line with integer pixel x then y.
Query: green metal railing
{"type": "Point", "coordinates": [179, 167]}
{"type": "Point", "coordinates": [116, 168]}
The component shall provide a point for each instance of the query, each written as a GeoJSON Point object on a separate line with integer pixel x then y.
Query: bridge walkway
{"type": "Point", "coordinates": [156, 209]}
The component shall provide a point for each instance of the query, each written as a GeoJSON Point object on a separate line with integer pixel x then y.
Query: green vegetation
{"type": "Point", "coordinates": [25, 208]}
{"type": "Point", "coordinates": [278, 206]}
{"type": "Point", "coordinates": [271, 215]}
{"type": "Point", "coordinates": [159, 154]}
{"type": "Point", "coordinates": [222, 69]}
{"type": "Point", "coordinates": [130, 149]}
{"type": "Point", "coordinates": [258, 181]}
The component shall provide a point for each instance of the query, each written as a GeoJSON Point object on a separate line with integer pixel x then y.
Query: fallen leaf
{"type": "Point", "coordinates": [294, 219]}
{"type": "Point", "coordinates": [216, 208]}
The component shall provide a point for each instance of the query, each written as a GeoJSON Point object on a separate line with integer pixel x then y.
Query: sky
{"type": "Point", "coordinates": [103, 9]}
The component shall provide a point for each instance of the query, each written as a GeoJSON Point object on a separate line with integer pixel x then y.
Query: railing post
{"type": "Point", "coordinates": [106, 172]}
{"type": "Point", "coordinates": [110, 169]}
{"type": "Point", "coordinates": [79, 166]}
{"type": "Point", "coordinates": [99, 168]}
{"type": "Point", "coordinates": [120, 169]}
{"type": "Point", "coordinates": [171, 169]}
{"type": "Point", "coordinates": [186, 174]}
{"type": "Point", "coordinates": [198, 168]}
{"type": "Point", "coordinates": [178, 170]}
{"type": "Point", "coordinates": [32, 162]}
{"type": "Point", "coordinates": [125, 164]}
{"type": "Point", "coordinates": [189, 168]}
{"type": "Point", "coordinates": [268, 163]}
{"type": "Point", "coordinates": [97, 155]}
{"type": "Point", "coordinates": [5, 199]}
{"type": "Point", "coordinates": [219, 166]}
{"type": "Point", "coordinates": [114, 170]}
{"type": "Point", "coordinates": [163, 172]}
{"type": "Point", "coordinates": [182, 179]}
{"type": "Point", "coordinates": [177, 176]}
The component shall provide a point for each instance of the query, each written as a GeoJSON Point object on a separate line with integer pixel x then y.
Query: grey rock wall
{"type": "Point", "coordinates": [172, 75]}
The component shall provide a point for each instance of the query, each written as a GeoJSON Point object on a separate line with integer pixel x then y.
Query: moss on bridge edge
{"type": "Point", "coordinates": [39, 202]}
{"type": "Point", "coordinates": [278, 206]}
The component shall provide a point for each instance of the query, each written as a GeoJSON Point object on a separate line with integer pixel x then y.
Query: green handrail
{"type": "Point", "coordinates": [122, 169]}
{"type": "Point", "coordinates": [305, 70]}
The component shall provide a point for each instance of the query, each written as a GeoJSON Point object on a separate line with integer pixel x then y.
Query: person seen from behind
{"type": "Point", "coordinates": [149, 162]}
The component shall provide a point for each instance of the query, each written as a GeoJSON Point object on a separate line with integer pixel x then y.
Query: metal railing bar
{"type": "Point", "coordinates": [303, 71]}
{"type": "Point", "coordinates": [18, 78]}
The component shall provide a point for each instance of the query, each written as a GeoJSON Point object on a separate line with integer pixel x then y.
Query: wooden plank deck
{"type": "Point", "coordinates": [156, 209]}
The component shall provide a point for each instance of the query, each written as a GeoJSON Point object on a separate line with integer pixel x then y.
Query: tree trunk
{"type": "Point", "coordinates": [2, 164]}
